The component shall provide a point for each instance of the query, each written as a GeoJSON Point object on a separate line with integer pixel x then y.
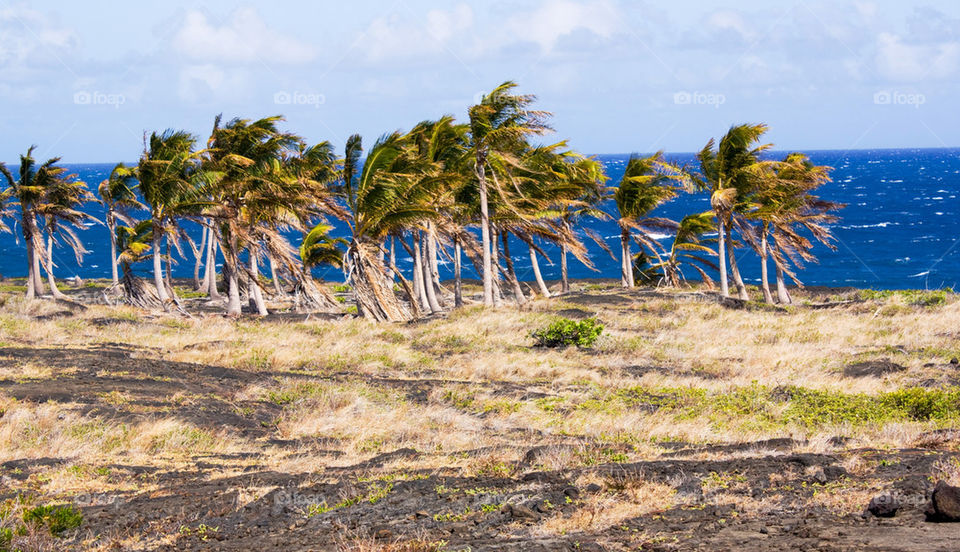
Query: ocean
{"type": "Point", "coordinates": [898, 231]}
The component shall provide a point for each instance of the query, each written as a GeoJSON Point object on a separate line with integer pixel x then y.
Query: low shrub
{"type": "Point", "coordinates": [565, 332]}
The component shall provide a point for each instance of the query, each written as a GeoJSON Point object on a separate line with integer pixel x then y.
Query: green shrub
{"type": "Point", "coordinates": [924, 404]}
{"type": "Point", "coordinates": [57, 519]}
{"type": "Point", "coordinates": [565, 332]}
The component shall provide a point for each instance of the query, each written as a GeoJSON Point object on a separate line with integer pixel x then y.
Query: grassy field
{"type": "Point", "coordinates": [688, 423]}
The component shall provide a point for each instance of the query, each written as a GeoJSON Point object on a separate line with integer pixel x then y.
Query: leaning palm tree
{"type": "Point", "coordinates": [499, 125]}
{"type": "Point", "coordinates": [60, 211]}
{"type": "Point", "coordinates": [785, 206]}
{"type": "Point", "coordinates": [588, 174]}
{"type": "Point", "coordinates": [728, 171]}
{"type": "Point", "coordinates": [690, 249]}
{"type": "Point", "coordinates": [27, 192]}
{"type": "Point", "coordinates": [647, 183]}
{"type": "Point", "coordinates": [118, 195]}
{"type": "Point", "coordinates": [169, 177]}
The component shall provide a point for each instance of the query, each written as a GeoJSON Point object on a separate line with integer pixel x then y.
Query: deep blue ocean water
{"type": "Point", "coordinates": [899, 229]}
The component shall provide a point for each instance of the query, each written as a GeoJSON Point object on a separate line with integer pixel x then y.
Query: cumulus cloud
{"type": "Point", "coordinates": [900, 60]}
{"type": "Point", "coordinates": [397, 36]}
{"type": "Point", "coordinates": [245, 37]}
{"type": "Point", "coordinates": [555, 19]}
{"type": "Point", "coordinates": [30, 36]}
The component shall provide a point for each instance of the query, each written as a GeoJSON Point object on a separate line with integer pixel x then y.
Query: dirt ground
{"type": "Point", "coordinates": [256, 484]}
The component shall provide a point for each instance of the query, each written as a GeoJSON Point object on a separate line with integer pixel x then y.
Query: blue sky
{"type": "Point", "coordinates": [85, 79]}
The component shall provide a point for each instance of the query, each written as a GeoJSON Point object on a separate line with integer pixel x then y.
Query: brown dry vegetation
{"type": "Point", "coordinates": [176, 433]}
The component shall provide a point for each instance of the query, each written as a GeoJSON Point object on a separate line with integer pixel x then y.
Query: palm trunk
{"type": "Point", "coordinates": [782, 294]}
{"type": "Point", "coordinates": [277, 286]}
{"type": "Point", "coordinates": [564, 279]}
{"type": "Point", "coordinates": [30, 236]}
{"type": "Point", "coordinates": [427, 278]}
{"type": "Point", "coordinates": [393, 259]}
{"type": "Point", "coordinates": [433, 263]}
{"type": "Point", "coordinates": [735, 270]}
{"type": "Point", "coordinates": [764, 283]}
{"type": "Point", "coordinates": [54, 290]}
{"type": "Point", "coordinates": [488, 296]}
{"type": "Point", "coordinates": [722, 254]}
{"type": "Point", "coordinates": [199, 261]}
{"type": "Point", "coordinates": [256, 294]}
{"type": "Point", "coordinates": [168, 278]}
{"type": "Point", "coordinates": [418, 280]}
{"type": "Point", "coordinates": [210, 268]}
{"type": "Point", "coordinates": [457, 277]}
{"type": "Point", "coordinates": [626, 275]}
{"type": "Point", "coordinates": [158, 264]}
{"type": "Point", "coordinates": [374, 294]}
{"type": "Point", "coordinates": [495, 264]}
{"type": "Point", "coordinates": [231, 270]}
{"type": "Point", "coordinates": [544, 290]}
{"type": "Point", "coordinates": [518, 294]}
{"type": "Point", "coordinates": [112, 227]}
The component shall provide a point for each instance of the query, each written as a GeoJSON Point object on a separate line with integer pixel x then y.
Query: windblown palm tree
{"type": "Point", "coordinates": [785, 207]}
{"type": "Point", "coordinates": [60, 211]}
{"type": "Point", "coordinates": [729, 172]}
{"type": "Point", "coordinates": [647, 183]}
{"type": "Point", "coordinates": [499, 127]}
{"type": "Point", "coordinates": [27, 191]}
{"type": "Point", "coordinates": [690, 249]}
{"type": "Point", "coordinates": [170, 180]}
{"type": "Point", "coordinates": [117, 195]}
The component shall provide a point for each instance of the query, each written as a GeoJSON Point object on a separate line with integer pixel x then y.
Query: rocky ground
{"type": "Point", "coordinates": [172, 434]}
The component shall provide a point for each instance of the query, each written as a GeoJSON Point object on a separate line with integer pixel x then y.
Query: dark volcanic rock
{"type": "Point", "coordinates": [885, 506]}
{"type": "Point", "coordinates": [944, 504]}
{"type": "Point", "coordinates": [874, 368]}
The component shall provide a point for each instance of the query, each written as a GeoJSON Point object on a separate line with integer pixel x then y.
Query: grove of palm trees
{"type": "Point", "coordinates": [403, 406]}
{"type": "Point", "coordinates": [262, 197]}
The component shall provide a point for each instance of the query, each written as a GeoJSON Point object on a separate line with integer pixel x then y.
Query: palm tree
{"type": "Point", "coordinates": [647, 183]}
{"type": "Point", "coordinates": [784, 205]}
{"type": "Point", "coordinates": [588, 174]}
{"type": "Point", "coordinates": [689, 249]}
{"type": "Point", "coordinates": [27, 190]}
{"type": "Point", "coordinates": [253, 197]}
{"type": "Point", "coordinates": [499, 126]}
{"type": "Point", "coordinates": [117, 194]}
{"type": "Point", "coordinates": [729, 170]}
{"type": "Point", "coordinates": [59, 209]}
{"type": "Point", "coordinates": [169, 177]}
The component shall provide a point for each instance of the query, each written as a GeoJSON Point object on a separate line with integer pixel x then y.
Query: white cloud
{"type": "Point", "coordinates": [555, 19]}
{"type": "Point", "coordinates": [29, 36]}
{"type": "Point", "coordinates": [902, 61]}
{"type": "Point", "coordinates": [244, 38]}
{"type": "Point", "coordinates": [393, 36]}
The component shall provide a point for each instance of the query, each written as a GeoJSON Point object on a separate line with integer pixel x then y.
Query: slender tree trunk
{"type": "Point", "coordinates": [169, 274]}
{"type": "Point", "coordinates": [520, 297]}
{"type": "Point", "coordinates": [158, 265]}
{"type": "Point", "coordinates": [418, 274]}
{"type": "Point", "coordinates": [31, 288]}
{"type": "Point", "coordinates": [112, 227]}
{"type": "Point", "coordinates": [626, 279]}
{"type": "Point", "coordinates": [54, 290]}
{"type": "Point", "coordinates": [31, 239]}
{"type": "Point", "coordinates": [735, 270]}
{"type": "Point", "coordinates": [433, 263]}
{"type": "Point", "coordinates": [38, 254]}
{"type": "Point", "coordinates": [391, 276]}
{"type": "Point", "coordinates": [427, 278]}
{"type": "Point", "coordinates": [495, 264]}
{"type": "Point", "coordinates": [782, 294]}
{"type": "Point", "coordinates": [199, 260]}
{"type": "Point", "coordinates": [564, 278]}
{"type": "Point", "coordinates": [231, 270]}
{"type": "Point", "coordinates": [488, 297]}
{"type": "Point", "coordinates": [210, 268]}
{"type": "Point", "coordinates": [256, 294]}
{"type": "Point", "coordinates": [544, 290]}
{"type": "Point", "coordinates": [722, 254]}
{"type": "Point", "coordinates": [764, 281]}
{"type": "Point", "coordinates": [277, 286]}
{"type": "Point", "coordinates": [457, 277]}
